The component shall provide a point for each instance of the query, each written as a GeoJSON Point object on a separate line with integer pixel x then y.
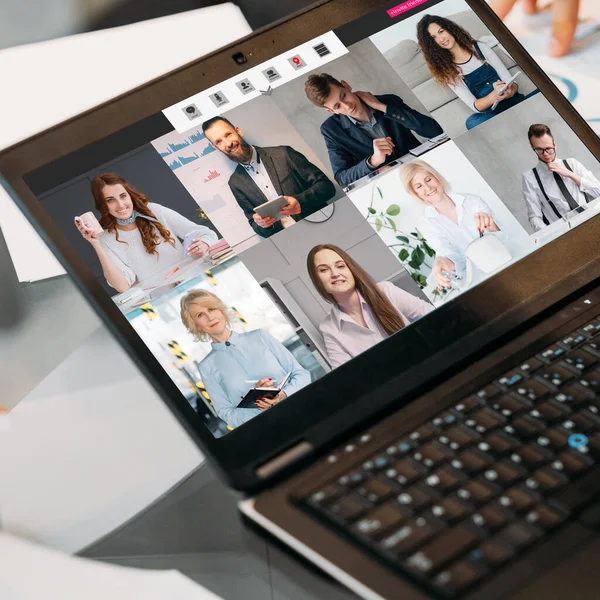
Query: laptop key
{"type": "Point", "coordinates": [406, 471]}
{"type": "Point", "coordinates": [418, 496]}
{"type": "Point", "coordinates": [520, 498]}
{"type": "Point", "coordinates": [348, 509]}
{"type": "Point", "coordinates": [433, 454]}
{"type": "Point", "coordinates": [327, 494]}
{"type": "Point", "coordinates": [472, 461]}
{"type": "Point", "coordinates": [460, 576]}
{"type": "Point", "coordinates": [556, 374]}
{"type": "Point", "coordinates": [447, 546]}
{"type": "Point", "coordinates": [380, 519]}
{"type": "Point", "coordinates": [553, 439]}
{"type": "Point", "coordinates": [551, 353]}
{"type": "Point", "coordinates": [445, 479]}
{"type": "Point", "coordinates": [493, 516]}
{"type": "Point", "coordinates": [468, 404]}
{"type": "Point", "coordinates": [412, 534]}
{"type": "Point", "coordinates": [550, 411]}
{"type": "Point", "coordinates": [511, 378]}
{"type": "Point", "coordinates": [531, 365]}
{"type": "Point", "coordinates": [488, 392]}
{"type": "Point", "coordinates": [458, 437]}
{"type": "Point", "coordinates": [504, 473]}
{"type": "Point", "coordinates": [572, 463]}
{"type": "Point", "coordinates": [573, 340]}
{"type": "Point", "coordinates": [508, 405]}
{"type": "Point", "coordinates": [375, 490]}
{"type": "Point", "coordinates": [546, 517]}
{"type": "Point", "coordinates": [547, 480]}
{"type": "Point", "coordinates": [573, 395]}
{"type": "Point", "coordinates": [423, 433]}
{"type": "Point", "coordinates": [525, 427]}
{"type": "Point", "coordinates": [520, 534]}
{"type": "Point", "coordinates": [452, 509]}
{"type": "Point", "coordinates": [484, 420]}
{"type": "Point", "coordinates": [533, 390]}
{"type": "Point", "coordinates": [498, 443]}
{"type": "Point", "coordinates": [531, 456]}
{"type": "Point", "coordinates": [478, 491]}
{"type": "Point", "coordinates": [495, 552]}
{"type": "Point", "coordinates": [581, 360]}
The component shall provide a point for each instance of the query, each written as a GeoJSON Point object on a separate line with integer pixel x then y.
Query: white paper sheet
{"type": "Point", "coordinates": [29, 571]}
{"type": "Point", "coordinates": [46, 83]}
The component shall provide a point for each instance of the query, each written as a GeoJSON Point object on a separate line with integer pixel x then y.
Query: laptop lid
{"type": "Point", "coordinates": [413, 236]}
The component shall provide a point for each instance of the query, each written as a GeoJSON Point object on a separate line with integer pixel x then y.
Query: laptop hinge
{"type": "Point", "coordinates": [284, 459]}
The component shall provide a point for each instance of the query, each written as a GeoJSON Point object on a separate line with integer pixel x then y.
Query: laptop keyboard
{"type": "Point", "coordinates": [472, 489]}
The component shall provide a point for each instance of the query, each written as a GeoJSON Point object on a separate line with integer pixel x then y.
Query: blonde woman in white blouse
{"type": "Point", "coordinates": [140, 238]}
{"type": "Point", "coordinates": [450, 221]}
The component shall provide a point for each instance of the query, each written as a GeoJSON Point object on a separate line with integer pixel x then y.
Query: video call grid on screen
{"type": "Point", "coordinates": [309, 223]}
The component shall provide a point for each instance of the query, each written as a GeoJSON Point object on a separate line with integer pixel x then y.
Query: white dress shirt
{"type": "Point", "coordinates": [256, 169]}
{"type": "Point", "coordinates": [345, 338]}
{"type": "Point", "coordinates": [461, 89]}
{"type": "Point", "coordinates": [538, 207]}
{"type": "Point", "coordinates": [451, 239]}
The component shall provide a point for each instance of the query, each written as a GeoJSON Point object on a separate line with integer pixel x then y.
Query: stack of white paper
{"type": "Point", "coordinates": [31, 572]}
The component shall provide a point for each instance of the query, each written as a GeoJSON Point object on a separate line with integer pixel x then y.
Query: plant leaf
{"type": "Point", "coordinates": [372, 210]}
{"type": "Point", "coordinates": [379, 192]}
{"type": "Point", "coordinates": [393, 210]}
{"type": "Point", "coordinates": [430, 251]}
{"type": "Point", "coordinates": [403, 254]}
{"type": "Point", "coordinates": [378, 224]}
{"type": "Point", "coordinates": [391, 222]}
{"type": "Point", "coordinates": [418, 257]}
{"type": "Point", "coordinates": [417, 279]}
{"type": "Point", "coordinates": [402, 238]}
{"type": "Point", "coordinates": [419, 235]}
{"type": "Point", "coordinates": [414, 265]}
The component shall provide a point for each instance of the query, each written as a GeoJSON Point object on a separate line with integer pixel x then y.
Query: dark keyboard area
{"type": "Point", "coordinates": [472, 490]}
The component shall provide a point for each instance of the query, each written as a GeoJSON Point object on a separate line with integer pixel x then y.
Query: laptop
{"type": "Point", "coordinates": [439, 433]}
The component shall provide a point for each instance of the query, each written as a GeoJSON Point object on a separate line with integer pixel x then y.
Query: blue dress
{"type": "Point", "coordinates": [252, 355]}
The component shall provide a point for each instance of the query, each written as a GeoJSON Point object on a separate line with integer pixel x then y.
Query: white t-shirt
{"type": "Point", "coordinates": [460, 88]}
{"type": "Point", "coordinates": [130, 255]}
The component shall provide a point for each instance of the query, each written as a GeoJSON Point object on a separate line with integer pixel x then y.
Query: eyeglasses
{"type": "Point", "coordinates": [541, 151]}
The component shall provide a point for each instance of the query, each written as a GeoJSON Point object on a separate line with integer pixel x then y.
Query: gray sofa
{"type": "Point", "coordinates": [449, 111]}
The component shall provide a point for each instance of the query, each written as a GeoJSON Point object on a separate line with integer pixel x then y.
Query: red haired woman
{"type": "Point", "coordinates": [139, 237]}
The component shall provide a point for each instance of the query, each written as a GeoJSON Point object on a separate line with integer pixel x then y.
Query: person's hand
{"type": "Point", "coordinates": [442, 267]}
{"type": "Point", "coordinates": [266, 403]}
{"type": "Point", "coordinates": [90, 235]}
{"type": "Point", "coordinates": [495, 94]}
{"type": "Point", "coordinates": [264, 382]}
{"type": "Point", "coordinates": [382, 148]}
{"type": "Point", "coordinates": [291, 208]}
{"type": "Point", "coordinates": [263, 221]}
{"type": "Point", "coordinates": [371, 101]}
{"type": "Point", "coordinates": [511, 91]}
{"type": "Point", "coordinates": [483, 221]}
{"type": "Point", "coordinates": [564, 20]}
{"type": "Point", "coordinates": [559, 168]}
{"type": "Point", "coordinates": [197, 248]}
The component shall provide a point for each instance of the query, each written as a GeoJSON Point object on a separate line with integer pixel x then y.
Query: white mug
{"type": "Point", "coordinates": [487, 253]}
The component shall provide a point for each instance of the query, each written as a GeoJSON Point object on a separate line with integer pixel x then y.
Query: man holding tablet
{"type": "Point", "coordinates": [269, 175]}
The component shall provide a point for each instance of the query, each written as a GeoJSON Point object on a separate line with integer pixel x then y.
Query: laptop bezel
{"type": "Point", "coordinates": [321, 413]}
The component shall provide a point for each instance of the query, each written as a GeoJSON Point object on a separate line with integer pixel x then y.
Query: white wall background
{"type": "Point", "coordinates": [462, 177]}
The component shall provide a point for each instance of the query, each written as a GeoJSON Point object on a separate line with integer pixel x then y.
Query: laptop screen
{"type": "Point", "coordinates": [265, 231]}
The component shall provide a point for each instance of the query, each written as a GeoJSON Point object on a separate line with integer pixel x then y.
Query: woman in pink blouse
{"type": "Point", "coordinates": [363, 312]}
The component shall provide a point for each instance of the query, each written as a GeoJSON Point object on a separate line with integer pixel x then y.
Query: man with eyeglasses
{"type": "Point", "coordinates": [554, 187]}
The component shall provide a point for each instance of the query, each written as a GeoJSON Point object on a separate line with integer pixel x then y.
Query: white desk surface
{"type": "Point", "coordinates": [46, 83]}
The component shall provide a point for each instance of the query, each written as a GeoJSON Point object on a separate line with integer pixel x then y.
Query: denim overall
{"type": "Point", "coordinates": [480, 83]}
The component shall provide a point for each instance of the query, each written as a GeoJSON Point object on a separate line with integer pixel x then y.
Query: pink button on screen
{"type": "Point", "coordinates": [404, 7]}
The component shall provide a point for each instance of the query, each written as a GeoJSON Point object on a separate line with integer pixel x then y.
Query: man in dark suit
{"type": "Point", "coordinates": [365, 131]}
{"type": "Point", "coordinates": [264, 174]}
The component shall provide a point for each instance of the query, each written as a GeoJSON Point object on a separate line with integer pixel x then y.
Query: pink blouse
{"type": "Point", "coordinates": [345, 339]}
